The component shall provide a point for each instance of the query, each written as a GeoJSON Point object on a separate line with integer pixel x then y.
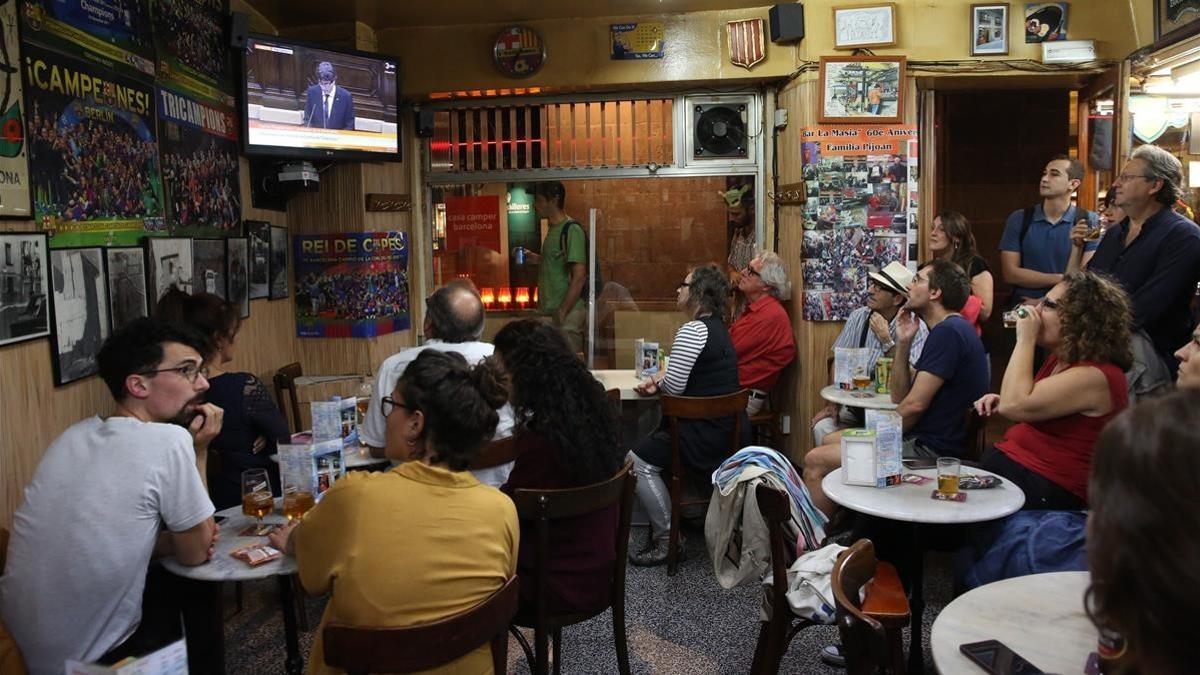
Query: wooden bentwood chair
{"type": "Point", "coordinates": [870, 629]}
{"type": "Point", "coordinates": [544, 507]}
{"type": "Point", "coordinates": [285, 380]}
{"type": "Point", "coordinates": [674, 409]}
{"type": "Point", "coordinates": [424, 646]}
{"type": "Point", "coordinates": [765, 427]}
{"type": "Point", "coordinates": [499, 451]}
{"type": "Point", "coordinates": [885, 601]}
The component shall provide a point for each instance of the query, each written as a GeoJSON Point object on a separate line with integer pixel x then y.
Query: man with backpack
{"type": "Point", "coordinates": [1036, 242]}
{"type": "Point", "coordinates": [562, 271]}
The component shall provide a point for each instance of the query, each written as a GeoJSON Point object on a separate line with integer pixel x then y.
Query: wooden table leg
{"type": "Point", "coordinates": [287, 602]}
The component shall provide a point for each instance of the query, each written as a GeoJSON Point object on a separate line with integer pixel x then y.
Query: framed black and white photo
{"type": "Point", "coordinates": [237, 252]}
{"type": "Point", "coordinates": [24, 287]}
{"type": "Point", "coordinates": [861, 26]}
{"type": "Point", "coordinates": [258, 232]}
{"type": "Point", "coordinates": [170, 263]}
{"type": "Point", "coordinates": [80, 312]}
{"type": "Point", "coordinates": [208, 269]}
{"type": "Point", "coordinates": [279, 262]}
{"type": "Point", "coordinates": [989, 29]}
{"type": "Point", "coordinates": [127, 298]}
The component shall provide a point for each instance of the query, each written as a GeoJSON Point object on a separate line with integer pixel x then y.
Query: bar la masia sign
{"type": "Point", "coordinates": [866, 140]}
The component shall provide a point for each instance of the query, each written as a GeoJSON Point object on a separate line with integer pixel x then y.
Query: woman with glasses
{"type": "Point", "coordinates": [1083, 321]}
{"type": "Point", "coordinates": [703, 363]}
{"type": "Point", "coordinates": [425, 540]}
{"type": "Point", "coordinates": [253, 423]}
{"type": "Point", "coordinates": [567, 438]}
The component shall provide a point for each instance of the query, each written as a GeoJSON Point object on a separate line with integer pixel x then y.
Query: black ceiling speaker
{"type": "Point", "coordinates": [720, 130]}
{"type": "Point", "coordinates": [787, 23]}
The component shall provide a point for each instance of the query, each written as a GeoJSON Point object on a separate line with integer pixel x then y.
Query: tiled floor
{"type": "Point", "coordinates": [684, 624]}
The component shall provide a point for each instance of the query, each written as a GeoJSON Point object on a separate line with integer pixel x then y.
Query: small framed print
{"type": "Point", "coordinates": [279, 262]}
{"type": "Point", "coordinates": [864, 26]}
{"type": "Point", "coordinates": [989, 29]}
{"type": "Point", "coordinates": [208, 268]}
{"type": "Point", "coordinates": [238, 276]}
{"type": "Point", "coordinates": [80, 311]}
{"type": "Point", "coordinates": [258, 232]}
{"type": "Point", "coordinates": [169, 260]}
{"type": "Point", "coordinates": [1174, 19]}
{"type": "Point", "coordinates": [24, 286]}
{"type": "Point", "coordinates": [1045, 21]}
{"type": "Point", "coordinates": [862, 89]}
{"type": "Point", "coordinates": [125, 267]}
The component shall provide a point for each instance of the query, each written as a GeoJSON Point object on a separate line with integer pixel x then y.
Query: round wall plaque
{"type": "Point", "coordinates": [519, 51]}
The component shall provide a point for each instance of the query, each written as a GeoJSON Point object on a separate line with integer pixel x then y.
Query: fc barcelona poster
{"type": "Point", "coordinates": [351, 285]}
{"type": "Point", "coordinates": [115, 34]}
{"type": "Point", "coordinates": [193, 47]}
{"type": "Point", "coordinates": [14, 167]}
{"type": "Point", "coordinates": [93, 152]}
{"type": "Point", "coordinates": [199, 166]}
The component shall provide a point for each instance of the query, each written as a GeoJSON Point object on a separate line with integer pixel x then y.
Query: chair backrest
{"type": "Point", "coordinates": [676, 408]}
{"type": "Point", "coordinates": [424, 646]}
{"type": "Point", "coordinates": [864, 641]}
{"type": "Point", "coordinates": [545, 506]}
{"type": "Point", "coordinates": [976, 427]}
{"type": "Point", "coordinates": [774, 507]}
{"type": "Point", "coordinates": [614, 395]}
{"type": "Point", "coordinates": [285, 379]}
{"type": "Point", "coordinates": [499, 451]}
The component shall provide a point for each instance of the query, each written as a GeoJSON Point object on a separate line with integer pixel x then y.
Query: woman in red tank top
{"type": "Point", "coordinates": [1084, 323]}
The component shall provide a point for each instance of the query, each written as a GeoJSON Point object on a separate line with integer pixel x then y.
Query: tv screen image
{"type": "Point", "coordinates": [307, 102]}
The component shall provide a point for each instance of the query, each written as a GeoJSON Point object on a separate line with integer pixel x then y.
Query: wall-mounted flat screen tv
{"type": "Point", "coordinates": [305, 101]}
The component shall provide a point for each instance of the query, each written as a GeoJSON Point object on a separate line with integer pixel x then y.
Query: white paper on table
{"type": "Point", "coordinates": [858, 461]}
{"type": "Point", "coordinates": [170, 660]}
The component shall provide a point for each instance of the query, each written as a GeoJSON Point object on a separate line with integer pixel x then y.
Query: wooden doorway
{"type": "Point", "coordinates": [991, 149]}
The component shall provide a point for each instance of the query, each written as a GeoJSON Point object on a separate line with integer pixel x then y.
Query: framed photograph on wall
{"type": "Point", "coordinates": [258, 234]}
{"type": "Point", "coordinates": [237, 257]}
{"type": "Point", "coordinates": [80, 312]}
{"type": "Point", "coordinates": [1045, 21]}
{"type": "Point", "coordinates": [862, 89]}
{"type": "Point", "coordinates": [24, 286]}
{"type": "Point", "coordinates": [125, 267]}
{"type": "Point", "coordinates": [169, 260]}
{"type": "Point", "coordinates": [279, 262]}
{"type": "Point", "coordinates": [1175, 15]}
{"type": "Point", "coordinates": [989, 29]}
{"type": "Point", "coordinates": [208, 267]}
{"type": "Point", "coordinates": [864, 26]}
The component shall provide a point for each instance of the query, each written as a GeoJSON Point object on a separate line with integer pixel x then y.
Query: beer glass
{"type": "Point", "coordinates": [256, 494]}
{"type": "Point", "coordinates": [297, 500]}
{"type": "Point", "coordinates": [948, 469]}
{"type": "Point", "coordinates": [860, 378]}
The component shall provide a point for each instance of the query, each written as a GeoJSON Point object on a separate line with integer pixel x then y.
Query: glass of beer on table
{"type": "Point", "coordinates": [297, 500]}
{"type": "Point", "coordinates": [861, 378]}
{"type": "Point", "coordinates": [948, 469]}
{"type": "Point", "coordinates": [256, 494]}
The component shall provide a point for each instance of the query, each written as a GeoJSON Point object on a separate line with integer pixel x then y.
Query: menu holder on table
{"type": "Point", "coordinates": [316, 465]}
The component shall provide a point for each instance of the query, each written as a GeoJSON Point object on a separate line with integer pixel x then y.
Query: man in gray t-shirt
{"type": "Point", "coordinates": [109, 495]}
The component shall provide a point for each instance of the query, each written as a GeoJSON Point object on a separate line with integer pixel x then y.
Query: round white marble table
{"type": "Point", "coordinates": [866, 399]}
{"type": "Point", "coordinates": [1039, 616]}
{"type": "Point", "coordinates": [224, 567]}
{"type": "Point", "coordinates": [625, 380]}
{"type": "Point", "coordinates": [911, 503]}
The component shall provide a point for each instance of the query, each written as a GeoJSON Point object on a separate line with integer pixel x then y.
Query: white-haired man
{"type": "Point", "coordinates": [762, 335]}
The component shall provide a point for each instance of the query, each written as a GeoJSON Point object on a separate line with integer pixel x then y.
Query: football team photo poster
{"type": "Point", "coordinates": [113, 33]}
{"type": "Point", "coordinates": [351, 285]}
{"type": "Point", "coordinates": [199, 166]}
{"type": "Point", "coordinates": [93, 153]}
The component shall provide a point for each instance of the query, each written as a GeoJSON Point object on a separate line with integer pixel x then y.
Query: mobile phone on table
{"type": "Point", "coordinates": [998, 659]}
{"type": "Point", "coordinates": [920, 463]}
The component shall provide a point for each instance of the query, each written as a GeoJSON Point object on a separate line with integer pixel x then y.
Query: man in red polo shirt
{"type": "Point", "coordinates": [762, 335]}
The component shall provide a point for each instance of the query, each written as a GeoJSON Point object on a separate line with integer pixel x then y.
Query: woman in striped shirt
{"type": "Point", "coordinates": [703, 363]}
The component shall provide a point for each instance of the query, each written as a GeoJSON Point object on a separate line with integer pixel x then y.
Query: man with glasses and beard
{"type": "Point", "coordinates": [110, 494]}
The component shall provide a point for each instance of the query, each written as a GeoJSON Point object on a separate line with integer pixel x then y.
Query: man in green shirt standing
{"type": "Point", "coordinates": [561, 273]}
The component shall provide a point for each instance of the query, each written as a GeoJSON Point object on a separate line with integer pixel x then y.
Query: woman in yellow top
{"type": "Point", "coordinates": [425, 540]}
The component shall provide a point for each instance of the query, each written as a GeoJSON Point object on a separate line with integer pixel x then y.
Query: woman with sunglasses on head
{"type": "Point", "coordinates": [253, 423]}
{"type": "Point", "coordinates": [1083, 321]}
{"type": "Point", "coordinates": [425, 540]}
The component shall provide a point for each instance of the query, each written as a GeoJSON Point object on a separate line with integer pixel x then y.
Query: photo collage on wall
{"type": "Point", "coordinates": [860, 212]}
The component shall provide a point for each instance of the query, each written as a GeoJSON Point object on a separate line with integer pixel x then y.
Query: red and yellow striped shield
{"type": "Point", "coordinates": [746, 43]}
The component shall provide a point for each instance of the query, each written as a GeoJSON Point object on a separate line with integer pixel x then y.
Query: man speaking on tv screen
{"type": "Point", "coordinates": [327, 105]}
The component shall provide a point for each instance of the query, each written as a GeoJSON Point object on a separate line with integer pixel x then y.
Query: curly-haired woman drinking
{"type": "Point", "coordinates": [1084, 322]}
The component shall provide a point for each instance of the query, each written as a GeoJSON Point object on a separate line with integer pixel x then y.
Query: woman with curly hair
{"type": "Point", "coordinates": [1083, 322]}
{"type": "Point", "coordinates": [703, 363]}
{"type": "Point", "coordinates": [567, 437]}
{"type": "Point", "coordinates": [423, 541]}
{"type": "Point", "coordinates": [253, 423]}
{"type": "Point", "coordinates": [1142, 548]}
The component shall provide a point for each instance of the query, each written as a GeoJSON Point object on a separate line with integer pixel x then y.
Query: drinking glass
{"type": "Point", "coordinates": [256, 494]}
{"type": "Point", "coordinates": [948, 469]}
{"type": "Point", "coordinates": [297, 500]}
{"type": "Point", "coordinates": [861, 379]}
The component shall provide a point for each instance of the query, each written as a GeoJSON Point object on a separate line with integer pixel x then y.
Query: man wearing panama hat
{"type": "Point", "coordinates": [872, 327]}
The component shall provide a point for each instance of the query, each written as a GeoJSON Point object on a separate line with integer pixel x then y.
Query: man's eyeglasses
{"type": "Point", "coordinates": [751, 272]}
{"type": "Point", "coordinates": [388, 404]}
{"type": "Point", "coordinates": [189, 371]}
{"type": "Point", "coordinates": [1126, 177]}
